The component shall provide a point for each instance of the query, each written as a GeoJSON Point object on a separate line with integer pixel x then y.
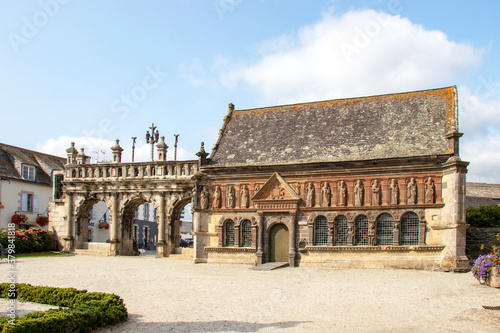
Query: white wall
{"type": "Point", "coordinates": [10, 196]}
{"type": "Point", "coordinates": [99, 235]}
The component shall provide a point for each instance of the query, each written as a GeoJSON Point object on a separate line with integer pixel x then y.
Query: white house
{"type": "Point", "coordinates": [25, 183]}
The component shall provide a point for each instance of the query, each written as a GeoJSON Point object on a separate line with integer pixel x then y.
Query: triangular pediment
{"type": "Point", "coordinates": [276, 188]}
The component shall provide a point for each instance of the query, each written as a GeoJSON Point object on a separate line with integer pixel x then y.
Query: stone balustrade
{"type": "Point", "coordinates": [138, 170]}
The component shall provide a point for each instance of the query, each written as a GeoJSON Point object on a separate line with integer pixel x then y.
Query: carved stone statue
{"type": "Point", "coordinates": [376, 189]}
{"type": "Point", "coordinates": [204, 198]}
{"type": "Point", "coordinates": [326, 195]}
{"type": "Point", "coordinates": [231, 196]}
{"type": "Point", "coordinates": [194, 198]}
{"type": "Point", "coordinates": [371, 234]}
{"type": "Point", "coordinates": [342, 194]}
{"type": "Point", "coordinates": [430, 191]}
{"type": "Point", "coordinates": [359, 193]}
{"type": "Point", "coordinates": [216, 203]}
{"type": "Point", "coordinates": [411, 192]}
{"type": "Point", "coordinates": [244, 197]}
{"type": "Point", "coordinates": [394, 192]}
{"type": "Point", "coordinates": [310, 195]}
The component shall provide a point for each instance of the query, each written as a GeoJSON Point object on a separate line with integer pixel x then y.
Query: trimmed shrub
{"type": "Point", "coordinates": [83, 311]}
{"type": "Point", "coordinates": [483, 216]}
{"type": "Point", "coordinates": [31, 240]}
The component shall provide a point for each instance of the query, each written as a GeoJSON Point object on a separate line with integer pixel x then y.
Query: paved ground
{"type": "Point", "coordinates": [165, 295]}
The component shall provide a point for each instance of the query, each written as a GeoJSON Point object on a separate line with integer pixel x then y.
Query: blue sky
{"type": "Point", "coordinates": [94, 71]}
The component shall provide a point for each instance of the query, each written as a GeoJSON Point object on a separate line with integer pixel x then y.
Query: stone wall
{"type": "Point", "coordinates": [476, 237]}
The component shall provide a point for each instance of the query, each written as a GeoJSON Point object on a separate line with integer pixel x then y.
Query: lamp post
{"type": "Point", "coordinates": [152, 139]}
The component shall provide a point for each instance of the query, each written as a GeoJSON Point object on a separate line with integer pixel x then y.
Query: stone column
{"type": "Point", "coordinates": [68, 245]}
{"type": "Point", "coordinates": [161, 245]}
{"type": "Point", "coordinates": [113, 235]}
{"type": "Point", "coordinates": [260, 239]}
{"type": "Point", "coordinates": [292, 254]}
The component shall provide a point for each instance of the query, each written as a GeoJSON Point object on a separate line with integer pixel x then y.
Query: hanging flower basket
{"type": "Point", "coordinates": [42, 221]}
{"type": "Point", "coordinates": [104, 225]}
{"type": "Point", "coordinates": [18, 218]}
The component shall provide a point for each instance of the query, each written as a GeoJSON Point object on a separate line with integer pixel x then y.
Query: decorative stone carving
{"type": "Point", "coordinates": [217, 195]}
{"type": "Point", "coordinates": [194, 198]}
{"type": "Point", "coordinates": [394, 192]}
{"type": "Point", "coordinates": [244, 197]}
{"type": "Point", "coordinates": [411, 192]}
{"type": "Point", "coordinates": [204, 198]}
{"type": "Point", "coordinates": [342, 193]}
{"type": "Point", "coordinates": [430, 191]}
{"type": "Point", "coordinates": [310, 195]}
{"type": "Point", "coordinates": [359, 191]}
{"type": "Point", "coordinates": [326, 195]}
{"type": "Point", "coordinates": [371, 233]}
{"type": "Point", "coordinates": [231, 196]}
{"type": "Point", "coordinates": [376, 190]}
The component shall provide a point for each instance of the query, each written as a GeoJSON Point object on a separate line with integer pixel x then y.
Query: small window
{"type": "Point", "coordinates": [341, 229]}
{"type": "Point", "coordinates": [136, 230]}
{"type": "Point", "coordinates": [385, 229]}
{"type": "Point", "coordinates": [246, 233]}
{"type": "Point", "coordinates": [29, 202]}
{"type": "Point", "coordinates": [146, 212]}
{"type": "Point", "coordinates": [28, 172]}
{"type": "Point", "coordinates": [229, 233]}
{"type": "Point", "coordinates": [320, 231]}
{"type": "Point", "coordinates": [361, 230]}
{"type": "Point", "coordinates": [409, 229]}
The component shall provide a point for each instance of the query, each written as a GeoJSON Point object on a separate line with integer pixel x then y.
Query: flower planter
{"type": "Point", "coordinates": [494, 279]}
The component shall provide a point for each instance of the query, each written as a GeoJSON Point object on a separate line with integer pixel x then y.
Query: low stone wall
{"type": "Point", "coordinates": [477, 237]}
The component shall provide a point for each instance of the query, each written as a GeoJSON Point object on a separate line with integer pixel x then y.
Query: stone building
{"type": "Point", "coordinates": [359, 182]}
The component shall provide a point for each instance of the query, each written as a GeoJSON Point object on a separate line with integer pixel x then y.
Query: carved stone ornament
{"type": "Point", "coordinates": [430, 191]}
{"type": "Point", "coordinates": [204, 198]}
{"type": "Point", "coordinates": [394, 188]}
{"type": "Point", "coordinates": [245, 197]}
{"type": "Point", "coordinates": [376, 191]}
{"type": "Point", "coordinates": [342, 188]}
{"type": "Point", "coordinates": [326, 195]}
{"type": "Point", "coordinates": [231, 196]}
{"type": "Point", "coordinates": [411, 192]}
{"type": "Point", "coordinates": [310, 195]}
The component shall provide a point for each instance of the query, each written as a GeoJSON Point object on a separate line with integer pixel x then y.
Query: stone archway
{"type": "Point", "coordinates": [126, 233]}
{"type": "Point", "coordinates": [175, 222]}
{"type": "Point", "coordinates": [82, 218]}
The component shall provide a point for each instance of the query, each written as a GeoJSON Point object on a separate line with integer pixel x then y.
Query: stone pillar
{"type": "Point", "coordinates": [237, 235]}
{"type": "Point", "coordinates": [113, 234]}
{"type": "Point", "coordinates": [68, 245]}
{"type": "Point", "coordinates": [260, 239]}
{"type": "Point", "coordinates": [310, 231]}
{"type": "Point", "coordinates": [162, 150]}
{"type": "Point", "coordinates": [117, 152]}
{"type": "Point", "coordinates": [292, 254]}
{"type": "Point", "coordinates": [161, 245]}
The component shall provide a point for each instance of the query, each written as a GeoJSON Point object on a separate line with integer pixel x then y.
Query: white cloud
{"type": "Point", "coordinates": [478, 118]}
{"type": "Point", "coordinates": [100, 149]}
{"type": "Point", "coordinates": [360, 53]}
{"type": "Point", "coordinates": [483, 154]}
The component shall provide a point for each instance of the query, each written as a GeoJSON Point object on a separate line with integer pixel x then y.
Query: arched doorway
{"type": "Point", "coordinates": [279, 243]}
{"type": "Point", "coordinates": [181, 217]}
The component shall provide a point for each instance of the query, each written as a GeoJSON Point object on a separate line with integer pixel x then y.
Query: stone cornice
{"type": "Point", "coordinates": [401, 248]}
{"type": "Point", "coordinates": [230, 249]}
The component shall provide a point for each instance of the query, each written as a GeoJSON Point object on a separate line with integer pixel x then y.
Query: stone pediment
{"type": "Point", "coordinates": [276, 189]}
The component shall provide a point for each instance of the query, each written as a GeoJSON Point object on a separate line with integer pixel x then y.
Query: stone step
{"type": "Point", "coordinates": [269, 266]}
{"type": "Point", "coordinates": [184, 256]}
{"type": "Point", "coordinates": [91, 252]}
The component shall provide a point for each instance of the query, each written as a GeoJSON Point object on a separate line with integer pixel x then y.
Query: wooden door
{"type": "Point", "coordinates": [279, 243]}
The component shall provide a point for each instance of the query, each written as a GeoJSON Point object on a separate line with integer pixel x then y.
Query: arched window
{"type": "Point", "coordinates": [229, 233]}
{"type": "Point", "coordinates": [341, 228]}
{"type": "Point", "coordinates": [409, 229]}
{"type": "Point", "coordinates": [361, 230]}
{"type": "Point", "coordinates": [246, 233]}
{"type": "Point", "coordinates": [385, 227]}
{"type": "Point", "coordinates": [320, 231]}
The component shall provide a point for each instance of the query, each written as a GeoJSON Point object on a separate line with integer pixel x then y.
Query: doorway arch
{"type": "Point", "coordinates": [279, 243]}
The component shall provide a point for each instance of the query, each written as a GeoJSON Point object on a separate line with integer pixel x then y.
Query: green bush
{"type": "Point", "coordinates": [83, 311]}
{"type": "Point", "coordinates": [483, 216]}
{"type": "Point", "coordinates": [31, 240]}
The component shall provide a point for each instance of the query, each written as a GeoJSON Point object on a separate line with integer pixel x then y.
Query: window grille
{"type": "Point", "coordinates": [229, 233]}
{"type": "Point", "coordinates": [341, 228]}
{"type": "Point", "coordinates": [246, 233]}
{"type": "Point", "coordinates": [385, 227]}
{"type": "Point", "coordinates": [409, 229]}
{"type": "Point", "coordinates": [320, 231]}
{"type": "Point", "coordinates": [361, 230]}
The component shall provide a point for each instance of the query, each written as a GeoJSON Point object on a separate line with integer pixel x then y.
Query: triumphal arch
{"type": "Point", "coordinates": [361, 182]}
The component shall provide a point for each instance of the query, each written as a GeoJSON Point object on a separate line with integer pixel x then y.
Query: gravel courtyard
{"type": "Point", "coordinates": [166, 295]}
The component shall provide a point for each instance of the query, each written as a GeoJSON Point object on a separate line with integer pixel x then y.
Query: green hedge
{"type": "Point", "coordinates": [483, 216]}
{"type": "Point", "coordinates": [84, 311]}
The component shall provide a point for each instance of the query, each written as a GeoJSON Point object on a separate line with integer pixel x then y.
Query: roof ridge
{"type": "Point", "coordinates": [30, 150]}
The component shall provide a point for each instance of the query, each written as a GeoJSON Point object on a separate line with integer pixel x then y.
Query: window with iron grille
{"type": "Point", "coordinates": [320, 231]}
{"type": "Point", "coordinates": [341, 228]}
{"type": "Point", "coordinates": [361, 230]}
{"type": "Point", "coordinates": [229, 233]}
{"type": "Point", "coordinates": [409, 229]}
{"type": "Point", "coordinates": [385, 227]}
{"type": "Point", "coordinates": [246, 233]}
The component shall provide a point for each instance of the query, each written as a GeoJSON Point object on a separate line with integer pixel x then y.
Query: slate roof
{"type": "Point", "coordinates": [482, 194]}
{"type": "Point", "coordinates": [12, 158]}
{"type": "Point", "coordinates": [386, 126]}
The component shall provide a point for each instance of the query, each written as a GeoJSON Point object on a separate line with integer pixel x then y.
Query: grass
{"type": "Point", "coordinates": [42, 254]}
